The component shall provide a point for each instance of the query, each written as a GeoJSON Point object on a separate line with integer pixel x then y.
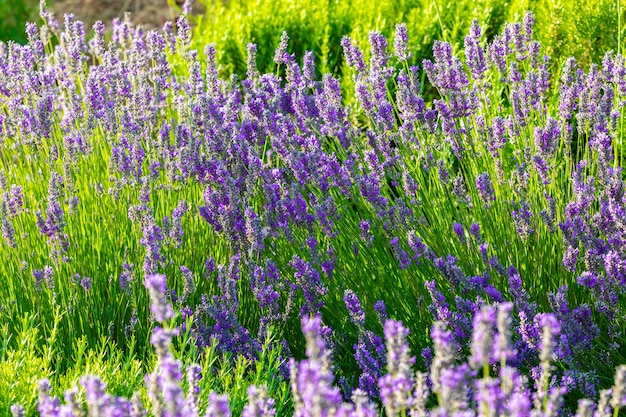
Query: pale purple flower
{"type": "Point", "coordinates": [485, 189]}
{"type": "Point", "coordinates": [259, 404]}
{"type": "Point", "coordinates": [159, 306]}
{"type": "Point", "coordinates": [482, 337]}
{"type": "Point", "coordinates": [401, 43]}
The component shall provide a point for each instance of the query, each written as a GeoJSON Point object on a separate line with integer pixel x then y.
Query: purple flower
{"type": "Point", "coordinates": [482, 338]}
{"type": "Point", "coordinates": [218, 406]}
{"type": "Point", "coordinates": [445, 348]}
{"type": "Point", "coordinates": [312, 379]}
{"type": "Point", "coordinates": [570, 258]}
{"type": "Point", "coordinates": [502, 349]}
{"type": "Point", "coordinates": [308, 278]}
{"type": "Point", "coordinates": [474, 53]}
{"type": "Point", "coordinates": [188, 283]}
{"type": "Point", "coordinates": [15, 201]}
{"type": "Point", "coordinates": [281, 55]}
{"type": "Point", "coordinates": [460, 233]}
{"type": "Point", "coordinates": [18, 411]}
{"type": "Point", "coordinates": [485, 189]}
{"type": "Point", "coordinates": [259, 404]}
{"type": "Point", "coordinates": [354, 56]}
{"type": "Point", "coordinates": [547, 139]}
{"type": "Point", "coordinates": [159, 306]}
{"type": "Point", "coordinates": [126, 277]}
{"type": "Point", "coordinates": [85, 282]}
{"type": "Point", "coordinates": [357, 316]}
{"type": "Point", "coordinates": [522, 217]}
{"type": "Point", "coordinates": [381, 309]}
{"type": "Point", "coordinates": [396, 386]}
{"type": "Point", "coordinates": [401, 43]}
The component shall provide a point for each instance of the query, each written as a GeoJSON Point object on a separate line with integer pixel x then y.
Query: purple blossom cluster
{"type": "Point", "coordinates": [483, 384]}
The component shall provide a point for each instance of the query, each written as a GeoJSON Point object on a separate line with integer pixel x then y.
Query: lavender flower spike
{"type": "Point", "coordinates": [401, 43]}
{"type": "Point", "coordinates": [482, 338]}
{"type": "Point", "coordinates": [396, 387]}
{"type": "Point", "coordinates": [259, 405]}
{"type": "Point", "coordinates": [160, 307]}
{"type": "Point", "coordinates": [218, 406]}
{"type": "Point", "coordinates": [17, 410]}
{"type": "Point", "coordinates": [485, 190]}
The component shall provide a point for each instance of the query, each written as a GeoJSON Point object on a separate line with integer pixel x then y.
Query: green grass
{"type": "Point", "coordinates": [22, 367]}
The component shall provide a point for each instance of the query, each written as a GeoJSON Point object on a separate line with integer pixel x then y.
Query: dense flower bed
{"type": "Point", "coordinates": [268, 202]}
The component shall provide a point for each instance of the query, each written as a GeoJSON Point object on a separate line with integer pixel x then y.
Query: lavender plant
{"type": "Point", "coordinates": [268, 200]}
{"type": "Point", "coordinates": [452, 381]}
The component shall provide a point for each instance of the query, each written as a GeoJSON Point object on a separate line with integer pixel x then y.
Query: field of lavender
{"type": "Point", "coordinates": [178, 240]}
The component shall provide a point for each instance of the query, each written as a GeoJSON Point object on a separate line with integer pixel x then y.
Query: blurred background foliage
{"type": "Point", "coordinates": [585, 30]}
{"type": "Point", "coordinates": [13, 17]}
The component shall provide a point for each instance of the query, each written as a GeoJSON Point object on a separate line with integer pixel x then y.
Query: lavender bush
{"type": "Point", "coordinates": [485, 384]}
{"type": "Point", "coordinates": [268, 200]}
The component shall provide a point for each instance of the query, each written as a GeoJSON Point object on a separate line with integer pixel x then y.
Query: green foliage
{"type": "Point", "coordinates": [13, 18]}
{"type": "Point", "coordinates": [318, 26]}
{"type": "Point", "coordinates": [584, 30]}
{"type": "Point", "coordinates": [22, 367]}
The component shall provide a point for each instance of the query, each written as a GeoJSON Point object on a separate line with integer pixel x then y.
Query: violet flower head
{"type": "Point", "coordinates": [475, 232]}
{"type": "Point", "coordinates": [445, 348]}
{"type": "Point", "coordinates": [399, 361]}
{"type": "Point", "coordinates": [176, 229]}
{"type": "Point", "coordinates": [251, 71]}
{"type": "Point", "coordinates": [542, 168]}
{"type": "Point", "coordinates": [187, 7]}
{"type": "Point", "coordinates": [309, 280]}
{"type": "Point", "coordinates": [182, 28]}
{"type": "Point", "coordinates": [126, 277]}
{"type": "Point", "coordinates": [159, 306]}
{"type": "Point", "coordinates": [522, 216]}
{"type": "Point", "coordinates": [312, 379]}
{"type": "Point", "coordinates": [357, 316]}
{"type": "Point", "coordinates": [497, 138]}
{"type": "Point", "coordinates": [502, 348]}
{"type": "Point", "coordinates": [454, 392]}
{"type": "Point", "coordinates": [460, 233]}
{"type": "Point", "coordinates": [85, 282]}
{"type": "Point", "coordinates": [618, 399]}
{"type": "Point", "coordinates": [15, 202]}
{"type": "Point", "coordinates": [474, 53]}
{"type": "Point", "coordinates": [381, 310]}
{"type": "Point", "coordinates": [218, 406]}
{"type": "Point", "coordinates": [281, 56]}
{"type": "Point", "coordinates": [485, 189]}
{"type": "Point", "coordinates": [259, 404]}
{"type": "Point", "coordinates": [161, 339]}
{"type": "Point", "coordinates": [354, 56]}
{"type": "Point", "coordinates": [48, 275]}
{"type": "Point", "coordinates": [94, 393]}
{"type": "Point", "coordinates": [6, 228]}
{"type": "Point", "coordinates": [570, 258]}
{"type": "Point", "coordinates": [482, 337]}
{"type": "Point", "coordinates": [308, 68]}
{"type": "Point", "coordinates": [547, 353]}
{"type": "Point", "coordinates": [17, 411]}
{"type": "Point", "coordinates": [401, 43]}
{"type": "Point", "coordinates": [378, 45]}
{"type": "Point", "coordinates": [188, 283]}
{"type": "Point", "coordinates": [547, 139]}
